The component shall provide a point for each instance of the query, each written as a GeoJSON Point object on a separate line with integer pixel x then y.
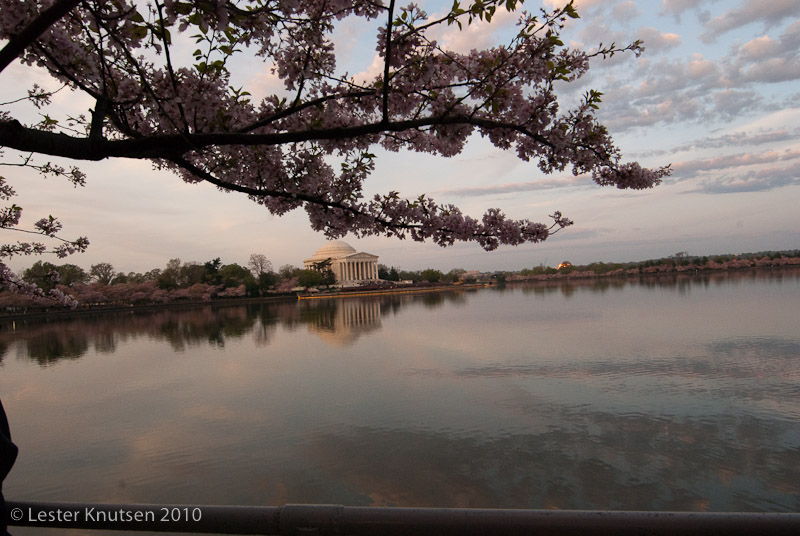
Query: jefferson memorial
{"type": "Point", "coordinates": [348, 265]}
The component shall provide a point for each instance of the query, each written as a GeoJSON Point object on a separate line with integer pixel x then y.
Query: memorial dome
{"type": "Point", "coordinates": [333, 250]}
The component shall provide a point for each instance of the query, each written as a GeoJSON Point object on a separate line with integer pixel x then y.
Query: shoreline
{"type": "Point", "coordinates": [393, 290]}
{"type": "Point", "coordinates": [88, 310]}
{"type": "Point", "coordinates": [736, 265]}
{"type": "Point", "coordinates": [621, 274]}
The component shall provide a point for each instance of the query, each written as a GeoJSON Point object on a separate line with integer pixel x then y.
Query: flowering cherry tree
{"type": "Point", "coordinates": [308, 146]}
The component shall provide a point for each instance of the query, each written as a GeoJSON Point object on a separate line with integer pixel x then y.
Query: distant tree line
{"type": "Point", "coordinates": [193, 281]}
{"type": "Point", "coordinates": [680, 261]}
{"type": "Point", "coordinates": [178, 280]}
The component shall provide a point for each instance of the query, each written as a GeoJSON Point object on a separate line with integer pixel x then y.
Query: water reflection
{"type": "Point", "coordinates": [338, 322]}
{"type": "Point", "coordinates": [341, 322]}
{"type": "Point", "coordinates": [617, 394]}
{"type": "Point", "coordinates": [609, 461]}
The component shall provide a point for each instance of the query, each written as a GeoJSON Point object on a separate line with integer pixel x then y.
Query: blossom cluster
{"type": "Point", "coordinates": [49, 227]}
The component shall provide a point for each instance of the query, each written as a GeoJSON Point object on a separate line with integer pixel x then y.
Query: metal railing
{"type": "Point", "coordinates": [299, 519]}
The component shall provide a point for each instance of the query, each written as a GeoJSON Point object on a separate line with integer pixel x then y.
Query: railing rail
{"type": "Point", "coordinates": [299, 519]}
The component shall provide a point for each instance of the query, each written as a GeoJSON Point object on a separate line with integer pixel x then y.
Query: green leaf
{"type": "Point", "coordinates": [139, 32]}
{"type": "Point", "coordinates": [569, 10]}
{"type": "Point", "coordinates": [183, 8]}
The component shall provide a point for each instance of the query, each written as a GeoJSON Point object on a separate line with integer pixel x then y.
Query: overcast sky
{"type": "Point", "coordinates": [715, 94]}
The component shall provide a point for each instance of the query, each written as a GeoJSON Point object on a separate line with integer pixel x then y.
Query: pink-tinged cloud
{"type": "Point", "coordinates": [479, 34]}
{"type": "Point", "coordinates": [761, 180]}
{"type": "Point", "coordinates": [543, 184]}
{"type": "Point", "coordinates": [579, 4]}
{"type": "Point", "coordinates": [733, 161]}
{"type": "Point", "coordinates": [677, 7]}
{"type": "Point", "coordinates": [758, 48]}
{"type": "Point", "coordinates": [769, 13]}
{"type": "Point", "coordinates": [656, 41]}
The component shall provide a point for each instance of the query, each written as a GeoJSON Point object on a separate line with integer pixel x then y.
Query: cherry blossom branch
{"type": "Point", "coordinates": [16, 136]}
{"type": "Point", "coordinates": [190, 120]}
{"type": "Point", "coordinates": [19, 42]}
{"type": "Point", "coordinates": [443, 223]}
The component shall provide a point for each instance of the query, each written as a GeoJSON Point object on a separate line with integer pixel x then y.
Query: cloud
{"type": "Point", "coordinates": [759, 48]}
{"type": "Point", "coordinates": [677, 7]}
{"type": "Point", "coordinates": [729, 104]}
{"type": "Point", "coordinates": [755, 181]}
{"type": "Point", "coordinates": [493, 189]}
{"type": "Point", "coordinates": [626, 11]}
{"type": "Point", "coordinates": [741, 138]}
{"type": "Point", "coordinates": [579, 4]}
{"type": "Point", "coordinates": [664, 89]}
{"type": "Point", "coordinates": [668, 91]}
{"type": "Point", "coordinates": [699, 89]}
{"type": "Point", "coordinates": [734, 139]}
{"type": "Point", "coordinates": [766, 60]}
{"type": "Point", "coordinates": [479, 34]}
{"type": "Point", "coordinates": [770, 13]}
{"type": "Point", "coordinates": [656, 41]}
{"type": "Point", "coordinates": [733, 161]}
{"type": "Point", "coordinates": [767, 172]}
{"type": "Point", "coordinates": [374, 71]}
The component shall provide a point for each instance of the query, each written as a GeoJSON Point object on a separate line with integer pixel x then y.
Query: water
{"type": "Point", "coordinates": [677, 393]}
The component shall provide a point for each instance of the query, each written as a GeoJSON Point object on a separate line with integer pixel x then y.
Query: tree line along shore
{"type": "Point", "coordinates": [192, 282]}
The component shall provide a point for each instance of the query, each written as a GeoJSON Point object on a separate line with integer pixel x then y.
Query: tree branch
{"type": "Point", "coordinates": [16, 136]}
{"type": "Point", "coordinates": [18, 43]}
{"type": "Point", "coordinates": [388, 52]}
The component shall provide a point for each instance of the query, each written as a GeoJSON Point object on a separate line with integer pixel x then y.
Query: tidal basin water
{"type": "Point", "coordinates": [676, 393]}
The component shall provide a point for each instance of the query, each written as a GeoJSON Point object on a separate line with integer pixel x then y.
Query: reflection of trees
{"type": "Point", "coordinates": [681, 282]}
{"type": "Point", "coordinates": [684, 281]}
{"type": "Point", "coordinates": [341, 321]}
{"type": "Point", "coordinates": [53, 338]}
{"type": "Point", "coordinates": [53, 345]}
{"type": "Point", "coordinates": [46, 340]}
{"type": "Point", "coordinates": [49, 340]}
{"type": "Point", "coordinates": [392, 303]}
{"type": "Point", "coordinates": [432, 300]}
{"type": "Point", "coordinates": [211, 325]}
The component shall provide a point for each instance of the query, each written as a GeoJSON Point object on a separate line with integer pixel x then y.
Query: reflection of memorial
{"type": "Point", "coordinates": [340, 322]}
{"type": "Point", "coordinates": [348, 265]}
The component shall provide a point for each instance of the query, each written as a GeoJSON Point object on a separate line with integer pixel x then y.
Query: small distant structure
{"type": "Point", "coordinates": [565, 264]}
{"type": "Point", "coordinates": [470, 276]}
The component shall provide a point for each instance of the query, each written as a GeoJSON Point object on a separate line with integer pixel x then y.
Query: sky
{"type": "Point", "coordinates": [715, 94]}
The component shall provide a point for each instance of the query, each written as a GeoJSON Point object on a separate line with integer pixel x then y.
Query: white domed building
{"type": "Point", "coordinates": [348, 265]}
